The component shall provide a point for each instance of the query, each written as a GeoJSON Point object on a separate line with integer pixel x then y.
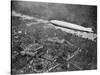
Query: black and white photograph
{"type": "Point", "coordinates": [49, 37]}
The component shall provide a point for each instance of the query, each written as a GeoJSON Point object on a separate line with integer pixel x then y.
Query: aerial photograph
{"type": "Point", "coordinates": [51, 37]}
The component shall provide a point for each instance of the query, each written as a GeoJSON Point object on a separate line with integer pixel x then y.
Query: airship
{"type": "Point", "coordinates": [70, 25]}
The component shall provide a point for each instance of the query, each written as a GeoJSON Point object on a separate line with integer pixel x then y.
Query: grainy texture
{"type": "Point", "coordinates": [38, 47]}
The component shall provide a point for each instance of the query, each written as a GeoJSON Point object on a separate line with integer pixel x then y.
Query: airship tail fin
{"type": "Point", "coordinates": [89, 29]}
